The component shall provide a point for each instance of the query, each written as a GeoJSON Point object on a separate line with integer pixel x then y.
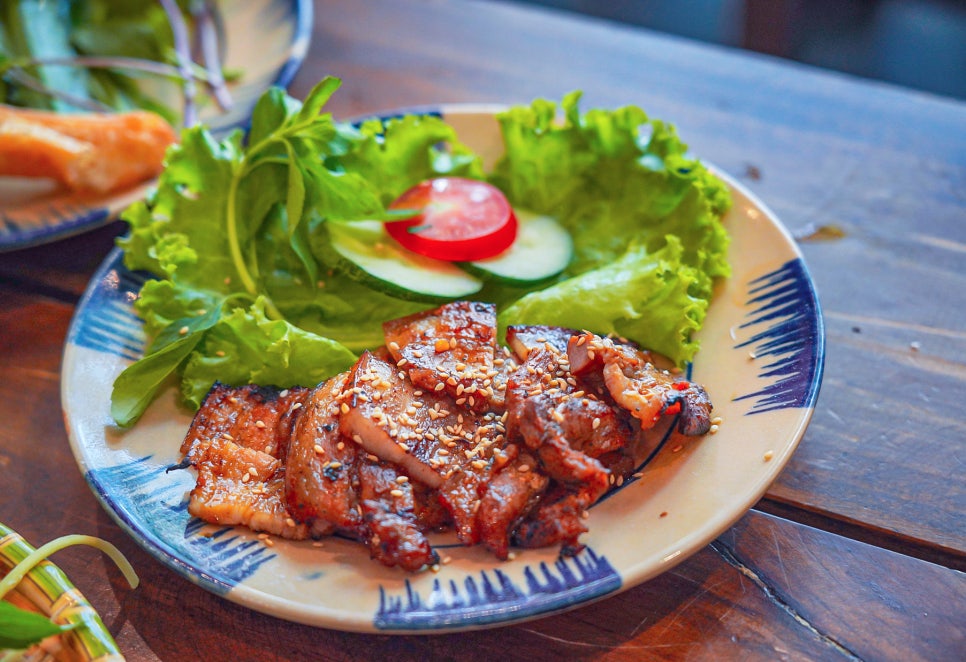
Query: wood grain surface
{"type": "Point", "coordinates": [857, 550]}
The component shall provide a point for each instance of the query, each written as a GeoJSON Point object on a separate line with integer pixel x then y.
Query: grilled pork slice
{"type": "Point", "coordinates": [257, 417]}
{"type": "Point", "coordinates": [544, 402]}
{"type": "Point", "coordinates": [433, 440]}
{"type": "Point", "coordinates": [583, 441]}
{"type": "Point", "coordinates": [241, 486]}
{"type": "Point", "coordinates": [235, 442]}
{"type": "Point", "coordinates": [510, 496]}
{"type": "Point", "coordinates": [638, 386]}
{"type": "Point", "coordinates": [558, 519]}
{"type": "Point", "coordinates": [394, 533]}
{"type": "Point", "coordinates": [448, 349]}
{"type": "Point", "coordinates": [523, 338]}
{"type": "Point", "coordinates": [321, 472]}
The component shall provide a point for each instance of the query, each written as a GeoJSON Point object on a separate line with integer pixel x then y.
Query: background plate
{"type": "Point", "coordinates": [35, 212]}
{"type": "Point", "coordinates": [761, 361]}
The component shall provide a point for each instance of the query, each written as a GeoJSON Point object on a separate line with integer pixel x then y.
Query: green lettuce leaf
{"type": "Point", "coordinates": [246, 347]}
{"type": "Point", "coordinates": [612, 177]}
{"type": "Point", "coordinates": [245, 291]}
{"type": "Point", "coordinates": [641, 295]}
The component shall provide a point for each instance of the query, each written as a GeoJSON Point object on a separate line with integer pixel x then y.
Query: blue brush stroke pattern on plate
{"type": "Point", "coordinates": [492, 597]}
{"type": "Point", "coordinates": [115, 328]}
{"type": "Point", "coordinates": [785, 299]}
{"type": "Point", "coordinates": [155, 509]}
{"type": "Point", "coordinates": [60, 222]}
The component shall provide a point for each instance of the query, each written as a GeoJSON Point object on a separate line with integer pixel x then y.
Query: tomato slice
{"type": "Point", "coordinates": [460, 220]}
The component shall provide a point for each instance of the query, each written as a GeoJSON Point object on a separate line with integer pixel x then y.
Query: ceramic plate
{"type": "Point", "coordinates": [37, 211]}
{"type": "Point", "coordinates": [761, 360]}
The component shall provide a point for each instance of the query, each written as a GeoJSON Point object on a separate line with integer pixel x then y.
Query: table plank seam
{"type": "Point", "coordinates": [773, 595]}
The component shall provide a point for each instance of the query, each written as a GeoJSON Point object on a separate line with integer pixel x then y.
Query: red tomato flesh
{"type": "Point", "coordinates": [460, 220]}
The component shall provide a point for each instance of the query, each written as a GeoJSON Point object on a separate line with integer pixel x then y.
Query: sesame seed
{"type": "Point", "coordinates": [269, 542]}
{"type": "Point", "coordinates": [259, 424]}
{"type": "Point", "coordinates": [523, 468]}
{"type": "Point", "coordinates": [344, 408]}
{"type": "Point", "coordinates": [220, 353]}
{"type": "Point", "coordinates": [769, 455]}
{"type": "Point", "coordinates": [289, 521]}
{"type": "Point", "coordinates": [183, 330]}
{"type": "Point", "coordinates": [596, 423]}
{"type": "Point", "coordinates": [394, 346]}
{"type": "Point", "coordinates": [402, 479]}
{"type": "Point", "coordinates": [253, 471]}
{"type": "Point", "coordinates": [439, 387]}
{"type": "Point", "coordinates": [318, 449]}
{"type": "Point", "coordinates": [396, 493]}
{"type": "Point", "coordinates": [356, 438]}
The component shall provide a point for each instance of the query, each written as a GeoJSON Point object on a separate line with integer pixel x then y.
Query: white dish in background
{"type": "Point", "coordinates": [35, 212]}
{"type": "Point", "coordinates": [685, 498]}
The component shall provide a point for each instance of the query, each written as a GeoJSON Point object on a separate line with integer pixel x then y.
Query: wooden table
{"type": "Point", "coordinates": [857, 551]}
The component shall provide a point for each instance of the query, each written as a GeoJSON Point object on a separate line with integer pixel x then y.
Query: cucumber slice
{"type": "Point", "coordinates": [365, 252]}
{"type": "Point", "coordinates": [542, 249]}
